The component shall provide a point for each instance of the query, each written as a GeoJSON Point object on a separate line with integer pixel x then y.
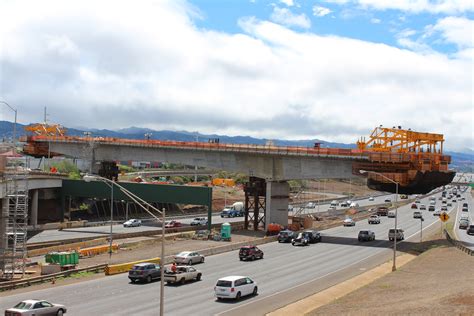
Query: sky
{"type": "Point", "coordinates": [281, 69]}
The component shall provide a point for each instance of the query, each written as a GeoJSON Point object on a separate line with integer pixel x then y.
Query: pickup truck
{"type": "Point", "coordinates": [183, 274]}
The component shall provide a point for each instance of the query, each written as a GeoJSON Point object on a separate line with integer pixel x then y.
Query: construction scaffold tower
{"type": "Point", "coordinates": [14, 223]}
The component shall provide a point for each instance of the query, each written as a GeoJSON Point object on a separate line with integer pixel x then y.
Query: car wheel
{"type": "Point", "coordinates": [219, 298]}
{"type": "Point", "coordinates": [255, 291]}
{"type": "Point", "coordinates": [293, 243]}
{"type": "Point", "coordinates": [149, 279]}
{"type": "Point", "coordinates": [237, 297]}
{"type": "Point", "coordinates": [190, 262]}
{"type": "Point", "coordinates": [241, 259]}
{"type": "Point", "coordinates": [182, 281]}
{"type": "Point", "coordinates": [360, 239]}
{"type": "Point", "coordinates": [60, 312]}
{"type": "Point", "coordinates": [132, 280]}
{"type": "Point", "coordinates": [202, 259]}
{"type": "Point", "coordinates": [261, 257]}
{"type": "Point", "coordinates": [252, 258]}
{"type": "Point", "coordinates": [198, 278]}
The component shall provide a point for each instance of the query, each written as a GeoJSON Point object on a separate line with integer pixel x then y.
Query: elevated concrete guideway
{"type": "Point", "coordinates": [274, 164]}
{"type": "Point", "coordinates": [267, 162]}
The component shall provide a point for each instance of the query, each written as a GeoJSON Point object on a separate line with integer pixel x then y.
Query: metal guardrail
{"type": "Point", "coordinates": [40, 279]}
{"type": "Point", "coordinates": [458, 244]}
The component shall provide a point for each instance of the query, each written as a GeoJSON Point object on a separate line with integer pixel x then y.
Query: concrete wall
{"type": "Point", "coordinates": [267, 166]}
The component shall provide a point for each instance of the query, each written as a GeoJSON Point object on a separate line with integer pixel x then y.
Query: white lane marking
{"type": "Point", "coordinates": [323, 276]}
{"type": "Point", "coordinates": [293, 287]}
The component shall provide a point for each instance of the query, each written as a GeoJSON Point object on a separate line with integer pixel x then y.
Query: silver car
{"type": "Point", "coordinates": [189, 257]}
{"type": "Point", "coordinates": [132, 223]}
{"type": "Point", "coordinates": [36, 307]}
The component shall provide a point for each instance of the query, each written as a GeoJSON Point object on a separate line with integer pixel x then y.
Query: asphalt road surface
{"type": "Point", "coordinates": [286, 274]}
{"type": "Point", "coordinates": [101, 231]}
{"type": "Point", "coordinates": [323, 207]}
{"type": "Point", "coordinates": [460, 234]}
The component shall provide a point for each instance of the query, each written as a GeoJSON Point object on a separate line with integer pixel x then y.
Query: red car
{"type": "Point", "coordinates": [172, 224]}
{"type": "Point", "coordinates": [414, 206]}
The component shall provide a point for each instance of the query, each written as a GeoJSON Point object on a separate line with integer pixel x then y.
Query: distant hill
{"type": "Point", "coordinates": [461, 161]}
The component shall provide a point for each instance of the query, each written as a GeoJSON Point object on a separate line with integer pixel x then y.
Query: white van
{"type": "Point", "coordinates": [334, 204]}
{"type": "Point", "coordinates": [235, 287]}
{"type": "Point", "coordinates": [391, 214]}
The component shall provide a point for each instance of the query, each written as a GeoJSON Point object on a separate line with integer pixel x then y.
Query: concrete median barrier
{"type": "Point", "coordinates": [97, 250]}
{"type": "Point", "coordinates": [125, 267]}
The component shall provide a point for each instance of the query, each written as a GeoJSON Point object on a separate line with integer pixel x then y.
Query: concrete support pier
{"type": "Point", "coordinates": [277, 195]}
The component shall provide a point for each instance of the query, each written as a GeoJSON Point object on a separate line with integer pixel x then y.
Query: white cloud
{"type": "Point", "coordinates": [288, 18]}
{"type": "Point", "coordinates": [456, 30]}
{"type": "Point", "coordinates": [146, 64]}
{"type": "Point", "coordinates": [289, 3]}
{"type": "Point", "coordinates": [320, 11]}
{"type": "Point", "coordinates": [375, 21]}
{"type": "Point", "coordinates": [414, 6]}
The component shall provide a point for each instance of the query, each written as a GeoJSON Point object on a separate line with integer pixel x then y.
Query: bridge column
{"type": "Point", "coordinates": [277, 195]}
{"type": "Point", "coordinates": [34, 208]}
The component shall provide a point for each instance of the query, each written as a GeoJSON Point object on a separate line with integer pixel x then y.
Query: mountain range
{"type": "Point", "coordinates": [461, 161]}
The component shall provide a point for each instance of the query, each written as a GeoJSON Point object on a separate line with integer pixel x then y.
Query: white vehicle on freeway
{"type": "Point", "coordinates": [371, 198]}
{"type": "Point", "coordinates": [235, 287]}
{"type": "Point", "coordinates": [132, 223]}
{"type": "Point", "coordinates": [199, 221]}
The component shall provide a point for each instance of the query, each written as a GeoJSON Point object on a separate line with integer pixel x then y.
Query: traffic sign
{"type": "Point", "coordinates": [444, 217]}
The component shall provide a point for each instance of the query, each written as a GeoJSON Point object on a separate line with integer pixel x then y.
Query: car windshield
{"type": "Point", "coordinates": [223, 283]}
{"type": "Point", "coordinates": [22, 305]}
{"type": "Point", "coordinates": [364, 232]}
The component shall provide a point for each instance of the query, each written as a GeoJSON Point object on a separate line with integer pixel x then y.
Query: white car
{"type": "Point", "coordinates": [235, 287]}
{"type": "Point", "coordinates": [348, 222]}
{"type": "Point", "coordinates": [132, 223]}
{"type": "Point", "coordinates": [391, 214]}
{"type": "Point", "coordinates": [371, 198]}
{"type": "Point", "coordinates": [354, 204]}
{"type": "Point", "coordinates": [36, 307]}
{"type": "Point", "coordinates": [199, 221]}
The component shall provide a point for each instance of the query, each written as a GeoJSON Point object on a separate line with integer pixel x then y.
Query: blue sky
{"type": "Point", "coordinates": [281, 69]}
{"type": "Point", "coordinates": [351, 19]}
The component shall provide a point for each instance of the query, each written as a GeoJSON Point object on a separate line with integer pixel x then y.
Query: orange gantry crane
{"type": "Point", "coordinates": [412, 159]}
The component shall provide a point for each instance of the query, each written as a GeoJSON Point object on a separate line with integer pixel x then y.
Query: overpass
{"type": "Point", "coordinates": [414, 160]}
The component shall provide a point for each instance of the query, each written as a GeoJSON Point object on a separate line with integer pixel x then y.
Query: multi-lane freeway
{"type": "Point", "coordinates": [286, 274]}
{"type": "Point", "coordinates": [100, 231]}
{"type": "Point", "coordinates": [460, 234]}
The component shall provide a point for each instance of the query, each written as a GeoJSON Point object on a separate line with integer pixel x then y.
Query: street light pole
{"type": "Point", "coordinates": [162, 264]}
{"type": "Point", "coordinates": [421, 229]}
{"type": "Point", "coordinates": [394, 266]}
{"type": "Point", "coordinates": [111, 218]}
{"type": "Point", "coordinates": [14, 125]}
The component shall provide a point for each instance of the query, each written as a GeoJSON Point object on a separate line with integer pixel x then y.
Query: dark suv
{"type": "Point", "coordinates": [366, 235]}
{"type": "Point", "coordinates": [382, 211]}
{"type": "Point", "coordinates": [250, 252]}
{"type": "Point", "coordinates": [307, 237]}
{"type": "Point", "coordinates": [144, 272]}
{"type": "Point", "coordinates": [286, 236]}
{"type": "Point", "coordinates": [313, 236]}
{"type": "Point", "coordinates": [470, 230]}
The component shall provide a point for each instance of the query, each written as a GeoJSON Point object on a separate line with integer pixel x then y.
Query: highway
{"type": "Point", "coordinates": [286, 274]}
{"type": "Point", "coordinates": [101, 231]}
{"type": "Point", "coordinates": [460, 234]}
{"type": "Point", "coordinates": [324, 207]}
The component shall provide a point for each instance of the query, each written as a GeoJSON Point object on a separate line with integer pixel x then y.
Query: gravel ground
{"type": "Point", "coordinates": [440, 281]}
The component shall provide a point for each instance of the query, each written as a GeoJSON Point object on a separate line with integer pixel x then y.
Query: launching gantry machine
{"type": "Point", "coordinates": [415, 160]}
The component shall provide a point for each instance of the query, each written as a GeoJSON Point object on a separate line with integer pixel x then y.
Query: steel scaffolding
{"type": "Point", "coordinates": [14, 220]}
